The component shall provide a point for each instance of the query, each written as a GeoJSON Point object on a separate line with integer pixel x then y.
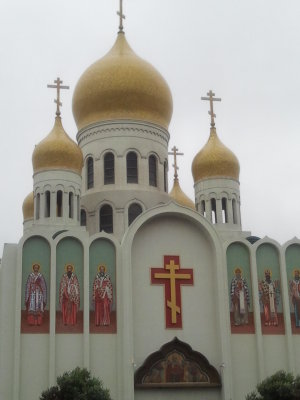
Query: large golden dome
{"type": "Point", "coordinates": [180, 197]}
{"type": "Point", "coordinates": [57, 151]}
{"type": "Point", "coordinates": [215, 160]}
{"type": "Point", "coordinates": [121, 85]}
{"type": "Point", "coordinates": [28, 207]}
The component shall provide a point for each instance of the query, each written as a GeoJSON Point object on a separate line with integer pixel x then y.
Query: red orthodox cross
{"type": "Point", "coordinates": [172, 277]}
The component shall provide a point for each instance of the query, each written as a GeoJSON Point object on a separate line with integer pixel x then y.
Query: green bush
{"type": "Point", "coordinates": [76, 385]}
{"type": "Point", "coordinates": [280, 386]}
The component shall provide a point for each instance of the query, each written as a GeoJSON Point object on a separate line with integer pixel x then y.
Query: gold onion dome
{"type": "Point", "coordinates": [57, 151]}
{"type": "Point", "coordinates": [180, 197]}
{"type": "Point", "coordinates": [215, 160]}
{"type": "Point", "coordinates": [28, 207]}
{"type": "Point", "coordinates": [121, 85]}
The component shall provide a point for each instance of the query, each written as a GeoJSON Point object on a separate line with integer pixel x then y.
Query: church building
{"type": "Point", "coordinates": [158, 295]}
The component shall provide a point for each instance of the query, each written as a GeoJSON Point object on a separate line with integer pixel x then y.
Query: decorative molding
{"type": "Point", "coordinates": [176, 365]}
{"type": "Point", "coordinates": [122, 128]}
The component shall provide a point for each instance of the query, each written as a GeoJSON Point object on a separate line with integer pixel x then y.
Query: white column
{"type": "Point", "coordinates": [208, 210]}
{"type": "Point", "coordinates": [219, 211]}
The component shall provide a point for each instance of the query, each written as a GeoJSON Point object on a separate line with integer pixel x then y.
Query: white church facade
{"type": "Point", "coordinates": [157, 295]}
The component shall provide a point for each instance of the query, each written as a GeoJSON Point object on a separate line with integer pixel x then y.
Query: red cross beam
{"type": "Point", "coordinates": [172, 277]}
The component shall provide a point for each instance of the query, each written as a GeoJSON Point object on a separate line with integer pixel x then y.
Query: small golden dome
{"type": "Point", "coordinates": [121, 85]}
{"type": "Point", "coordinates": [215, 160]}
{"type": "Point", "coordinates": [57, 151]}
{"type": "Point", "coordinates": [28, 207]}
{"type": "Point", "coordinates": [180, 198]}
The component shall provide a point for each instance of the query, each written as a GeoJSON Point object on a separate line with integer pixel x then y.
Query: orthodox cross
{"type": "Point", "coordinates": [211, 99]}
{"type": "Point", "coordinates": [172, 277]}
{"type": "Point", "coordinates": [122, 16]}
{"type": "Point", "coordinates": [58, 85]}
{"type": "Point", "coordinates": [175, 153]}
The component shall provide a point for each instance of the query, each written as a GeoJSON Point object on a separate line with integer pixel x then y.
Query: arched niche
{"type": "Point", "coordinates": [292, 259]}
{"type": "Point", "coordinates": [69, 286]}
{"type": "Point", "coordinates": [35, 285]}
{"type": "Point", "coordinates": [269, 287]}
{"type": "Point", "coordinates": [240, 289]}
{"type": "Point", "coordinates": [176, 365]}
{"type": "Point", "coordinates": [102, 284]}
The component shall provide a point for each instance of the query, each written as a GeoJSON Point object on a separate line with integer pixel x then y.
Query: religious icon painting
{"type": "Point", "coordinates": [269, 287]}
{"type": "Point", "coordinates": [69, 286]}
{"type": "Point", "coordinates": [172, 276]}
{"type": "Point", "coordinates": [102, 287]}
{"type": "Point", "coordinates": [35, 286]}
{"type": "Point", "coordinates": [292, 257]}
{"type": "Point", "coordinates": [239, 289]}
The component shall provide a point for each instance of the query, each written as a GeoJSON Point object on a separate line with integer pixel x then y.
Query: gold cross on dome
{"type": "Point", "coordinates": [175, 153]}
{"type": "Point", "coordinates": [122, 16]}
{"type": "Point", "coordinates": [58, 85]}
{"type": "Point", "coordinates": [211, 98]}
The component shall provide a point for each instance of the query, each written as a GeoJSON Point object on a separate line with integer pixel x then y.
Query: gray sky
{"type": "Point", "coordinates": [247, 51]}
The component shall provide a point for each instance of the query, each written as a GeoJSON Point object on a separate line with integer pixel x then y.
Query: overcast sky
{"type": "Point", "coordinates": [247, 51]}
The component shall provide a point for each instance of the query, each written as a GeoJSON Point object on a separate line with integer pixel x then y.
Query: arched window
{"type": "Point", "coordinates": [109, 169]}
{"type": "Point", "coordinates": [71, 205]}
{"type": "Point", "coordinates": [152, 170]}
{"type": "Point", "coordinates": [234, 211]}
{"type": "Point", "coordinates": [59, 203]}
{"type": "Point", "coordinates": [213, 211]}
{"type": "Point", "coordinates": [37, 206]}
{"type": "Point", "coordinates": [106, 219]}
{"type": "Point", "coordinates": [132, 170]}
{"type": "Point", "coordinates": [82, 217]}
{"type": "Point", "coordinates": [47, 204]}
{"type": "Point", "coordinates": [90, 173]}
{"type": "Point", "coordinates": [202, 208]}
{"type": "Point", "coordinates": [166, 176]}
{"type": "Point", "coordinates": [224, 210]}
{"type": "Point", "coordinates": [133, 211]}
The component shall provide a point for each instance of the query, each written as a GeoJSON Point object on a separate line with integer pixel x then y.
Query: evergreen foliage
{"type": "Point", "coordinates": [76, 385]}
{"type": "Point", "coordinates": [280, 386]}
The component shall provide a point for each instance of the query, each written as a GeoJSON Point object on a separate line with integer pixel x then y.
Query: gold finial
{"type": "Point", "coordinates": [122, 16]}
{"type": "Point", "coordinates": [58, 85]}
{"type": "Point", "coordinates": [211, 99]}
{"type": "Point", "coordinates": [175, 153]}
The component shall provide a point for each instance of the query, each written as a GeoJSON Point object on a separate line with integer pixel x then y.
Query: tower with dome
{"type": "Point", "coordinates": [155, 293]}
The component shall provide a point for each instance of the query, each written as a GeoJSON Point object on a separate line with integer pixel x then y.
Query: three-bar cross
{"type": "Point", "coordinates": [121, 15]}
{"type": "Point", "coordinates": [211, 99]}
{"type": "Point", "coordinates": [58, 85]}
{"type": "Point", "coordinates": [175, 153]}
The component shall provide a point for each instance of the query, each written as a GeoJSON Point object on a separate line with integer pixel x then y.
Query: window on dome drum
{"type": "Point", "coordinates": [132, 170]}
{"type": "Point", "coordinates": [37, 206]}
{"type": "Point", "coordinates": [152, 171]}
{"type": "Point", "coordinates": [202, 208]}
{"type": "Point", "coordinates": [106, 219]}
{"type": "Point", "coordinates": [224, 210]}
{"type": "Point", "coordinates": [78, 208]}
{"type": "Point", "coordinates": [59, 203]}
{"type": "Point", "coordinates": [234, 211]}
{"type": "Point", "coordinates": [166, 176]}
{"type": "Point", "coordinates": [47, 204]}
{"type": "Point", "coordinates": [213, 211]}
{"type": "Point", "coordinates": [109, 169]}
{"type": "Point", "coordinates": [71, 205]}
{"type": "Point", "coordinates": [82, 217]}
{"type": "Point", "coordinates": [134, 210]}
{"type": "Point", "coordinates": [90, 173]}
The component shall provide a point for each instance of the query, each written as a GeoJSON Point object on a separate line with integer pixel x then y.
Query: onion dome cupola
{"type": "Point", "coordinates": [122, 107]}
{"type": "Point", "coordinates": [121, 85]}
{"type": "Point", "coordinates": [56, 195]}
{"type": "Point", "coordinates": [216, 171]}
{"type": "Point", "coordinates": [177, 193]}
{"type": "Point", "coordinates": [57, 151]}
{"type": "Point", "coordinates": [215, 160]}
{"type": "Point", "coordinates": [28, 207]}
